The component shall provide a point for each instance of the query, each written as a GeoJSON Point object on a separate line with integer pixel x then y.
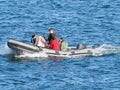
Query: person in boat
{"type": "Point", "coordinates": [41, 42]}
{"type": "Point", "coordinates": [63, 45]}
{"type": "Point", "coordinates": [51, 35]}
{"type": "Point", "coordinates": [54, 43]}
{"type": "Point", "coordinates": [34, 39]}
{"type": "Point", "coordinates": [38, 41]}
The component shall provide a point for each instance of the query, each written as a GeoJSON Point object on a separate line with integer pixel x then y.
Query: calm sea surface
{"type": "Point", "coordinates": [89, 22]}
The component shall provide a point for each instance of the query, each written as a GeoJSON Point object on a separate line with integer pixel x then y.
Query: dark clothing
{"type": "Point", "coordinates": [80, 46]}
{"type": "Point", "coordinates": [33, 41]}
{"type": "Point", "coordinates": [50, 37]}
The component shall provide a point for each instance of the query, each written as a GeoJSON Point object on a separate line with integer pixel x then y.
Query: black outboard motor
{"type": "Point", "coordinates": [81, 46]}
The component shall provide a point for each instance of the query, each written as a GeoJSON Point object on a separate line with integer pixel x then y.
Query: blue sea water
{"type": "Point", "coordinates": [89, 22]}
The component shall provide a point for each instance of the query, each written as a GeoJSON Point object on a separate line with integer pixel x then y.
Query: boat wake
{"type": "Point", "coordinates": [4, 49]}
{"type": "Point", "coordinates": [34, 55]}
{"type": "Point", "coordinates": [104, 49]}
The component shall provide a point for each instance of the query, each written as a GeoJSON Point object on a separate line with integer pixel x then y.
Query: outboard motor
{"type": "Point", "coordinates": [81, 46]}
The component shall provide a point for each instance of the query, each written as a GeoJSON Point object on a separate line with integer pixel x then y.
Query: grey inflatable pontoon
{"type": "Point", "coordinates": [20, 47]}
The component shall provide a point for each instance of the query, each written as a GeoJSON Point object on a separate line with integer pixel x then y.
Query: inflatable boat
{"type": "Point", "coordinates": [21, 47]}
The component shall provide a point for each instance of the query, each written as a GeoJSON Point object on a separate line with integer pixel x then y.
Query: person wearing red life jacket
{"type": "Point", "coordinates": [54, 43]}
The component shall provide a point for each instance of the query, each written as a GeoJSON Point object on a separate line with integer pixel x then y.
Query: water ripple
{"type": "Point", "coordinates": [80, 21]}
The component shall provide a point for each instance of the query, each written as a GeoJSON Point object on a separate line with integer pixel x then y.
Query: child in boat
{"type": "Point", "coordinates": [63, 45]}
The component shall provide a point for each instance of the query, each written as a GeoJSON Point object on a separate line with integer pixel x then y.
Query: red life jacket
{"type": "Point", "coordinates": [54, 44]}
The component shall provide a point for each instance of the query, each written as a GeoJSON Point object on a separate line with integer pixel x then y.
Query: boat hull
{"type": "Point", "coordinates": [20, 47]}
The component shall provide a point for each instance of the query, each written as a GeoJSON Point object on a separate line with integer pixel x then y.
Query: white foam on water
{"type": "Point", "coordinates": [33, 55]}
{"type": "Point", "coordinates": [106, 49]}
{"type": "Point", "coordinates": [4, 49]}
